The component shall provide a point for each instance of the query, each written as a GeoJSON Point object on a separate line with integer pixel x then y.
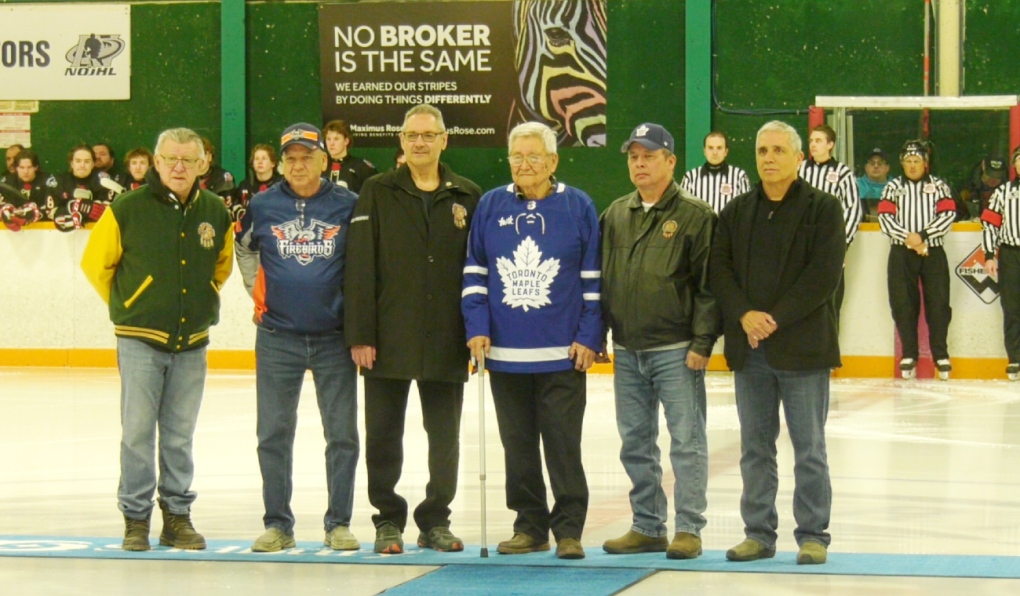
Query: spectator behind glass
{"type": "Point", "coordinates": [35, 185]}
{"type": "Point", "coordinates": [984, 178]}
{"type": "Point", "coordinates": [9, 175]}
{"type": "Point", "coordinates": [105, 163]}
{"type": "Point", "coordinates": [263, 174]}
{"type": "Point", "coordinates": [80, 198]}
{"type": "Point", "coordinates": [139, 162]}
{"type": "Point", "coordinates": [344, 169]}
{"type": "Point", "coordinates": [871, 184]}
{"type": "Point", "coordinates": [211, 176]}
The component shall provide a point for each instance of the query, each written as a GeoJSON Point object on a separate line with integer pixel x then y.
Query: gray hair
{"type": "Point", "coordinates": [428, 110]}
{"type": "Point", "coordinates": [537, 130]}
{"type": "Point", "coordinates": [181, 136]}
{"type": "Point", "coordinates": [780, 126]}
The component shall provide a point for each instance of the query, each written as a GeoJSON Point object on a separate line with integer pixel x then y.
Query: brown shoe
{"type": "Point", "coordinates": [136, 534]}
{"type": "Point", "coordinates": [684, 546]}
{"type": "Point", "coordinates": [750, 550]}
{"type": "Point", "coordinates": [522, 544]}
{"type": "Point", "coordinates": [178, 531]}
{"type": "Point", "coordinates": [569, 548]}
{"type": "Point", "coordinates": [633, 542]}
{"type": "Point", "coordinates": [812, 553]}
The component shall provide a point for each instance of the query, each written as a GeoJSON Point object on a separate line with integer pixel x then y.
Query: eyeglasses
{"type": "Point", "coordinates": [428, 137]}
{"type": "Point", "coordinates": [517, 160]}
{"type": "Point", "coordinates": [187, 162]}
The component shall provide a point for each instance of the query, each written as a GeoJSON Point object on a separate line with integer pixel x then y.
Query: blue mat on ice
{"type": "Point", "coordinates": [519, 581]}
{"type": "Point", "coordinates": [313, 552]}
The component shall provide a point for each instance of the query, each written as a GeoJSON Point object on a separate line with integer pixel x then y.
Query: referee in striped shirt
{"type": "Point", "coordinates": [1001, 221]}
{"type": "Point", "coordinates": [916, 211]}
{"type": "Point", "coordinates": [823, 172]}
{"type": "Point", "coordinates": [716, 182]}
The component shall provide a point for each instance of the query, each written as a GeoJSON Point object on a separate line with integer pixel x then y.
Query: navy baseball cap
{"type": "Point", "coordinates": [877, 152]}
{"type": "Point", "coordinates": [996, 164]}
{"type": "Point", "coordinates": [303, 134]}
{"type": "Point", "coordinates": [650, 136]}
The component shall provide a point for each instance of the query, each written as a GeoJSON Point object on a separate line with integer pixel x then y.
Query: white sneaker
{"type": "Point", "coordinates": [340, 538]}
{"type": "Point", "coordinates": [908, 368]}
{"type": "Point", "coordinates": [943, 368]}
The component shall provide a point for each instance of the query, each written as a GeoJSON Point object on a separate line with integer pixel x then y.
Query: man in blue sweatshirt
{"type": "Point", "coordinates": [291, 249]}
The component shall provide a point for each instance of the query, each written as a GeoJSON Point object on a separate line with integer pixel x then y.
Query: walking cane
{"type": "Point", "coordinates": [481, 446]}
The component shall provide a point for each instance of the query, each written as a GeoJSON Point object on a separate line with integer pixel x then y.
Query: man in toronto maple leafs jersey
{"type": "Point", "coordinates": [291, 250]}
{"type": "Point", "coordinates": [655, 246]}
{"type": "Point", "coordinates": [531, 306]}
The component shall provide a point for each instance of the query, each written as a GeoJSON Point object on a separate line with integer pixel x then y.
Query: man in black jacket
{"type": "Point", "coordinates": [776, 260]}
{"type": "Point", "coordinates": [405, 260]}
{"type": "Point", "coordinates": [655, 246]}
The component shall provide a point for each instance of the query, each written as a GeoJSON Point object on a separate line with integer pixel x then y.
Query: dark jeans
{"type": "Point", "coordinates": [905, 268]}
{"type": "Point", "coordinates": [281, 360]}
{"type": "Point", "coordinates": [385, 408]}
{"type": "Point", "coordinates": [547, 407]}
{"type": "Point", "coordinates": [805, 398]}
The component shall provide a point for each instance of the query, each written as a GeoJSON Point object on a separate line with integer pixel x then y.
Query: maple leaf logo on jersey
{"type": "Point", "coordinates": [305, 244]}
{"type": "Point", "coordinates": [527, 278]}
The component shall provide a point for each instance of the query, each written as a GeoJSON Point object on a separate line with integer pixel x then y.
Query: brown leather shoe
{"type": "Point", "coordinates": [569, 548]}
{"type": "Point", "coordinates": [633, 542]}
{"type": "Point", "coordinates": [178, 531]}
{"type": "Point", "coordinates": [136, 534]}
{"type": "Point", "coordinates": [684, 546]}
{"type": "Point", "coordinates": [522, 544]}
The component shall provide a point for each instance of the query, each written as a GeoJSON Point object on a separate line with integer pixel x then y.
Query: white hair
{"type": "Point", "coordinates": [780, 126]}
{"type": "Point", "coordinates": [537, 130]}
{"type": "Point", "coordinates": [181, 136]}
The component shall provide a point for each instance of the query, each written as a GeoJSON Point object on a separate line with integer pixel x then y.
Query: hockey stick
{"type": "Point", "coordinates": [481, 448]}
{"type": "Point", "coordinates": [110, 184]}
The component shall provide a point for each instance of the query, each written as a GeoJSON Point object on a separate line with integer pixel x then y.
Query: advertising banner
{"type": "Point", "coordinates": [65, 51]}
{"type": "Point", "coordinates": [487, 66]}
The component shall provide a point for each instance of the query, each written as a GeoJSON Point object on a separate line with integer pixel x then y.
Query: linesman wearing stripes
{"type": "Point", "coordinates": [826, 174]}
{"type": "Point", "coordinates": [1001, 242]}
{"type": "Point", "coordinates": [916, 211]}
{"type": "Point", "coordinates": [716, 182]}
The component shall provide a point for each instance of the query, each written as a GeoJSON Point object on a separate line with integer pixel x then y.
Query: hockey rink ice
{"type": "Point", "coordinates": [924, 472]}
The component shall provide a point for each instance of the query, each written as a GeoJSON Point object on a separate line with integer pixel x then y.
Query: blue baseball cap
{"type": "Point", "coordinates": [650, 136]}
{"type": "Point", "coordinates": [303, 134]}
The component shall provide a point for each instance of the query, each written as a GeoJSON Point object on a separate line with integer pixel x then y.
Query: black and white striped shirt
{"type": "Point", "coordinates": [1001, 220]}
{"type": "Point", "coordinates": [716, 185]}
{"type": "Point", "coordinates": [836, 179]}
{"type": "Point", "coordinates": [924, 206]}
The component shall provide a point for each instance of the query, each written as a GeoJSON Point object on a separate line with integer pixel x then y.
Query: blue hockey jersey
{"type": "Point", "coordinates": [291, 253]}
{"type": "Point", "coordinates": [532, 278]}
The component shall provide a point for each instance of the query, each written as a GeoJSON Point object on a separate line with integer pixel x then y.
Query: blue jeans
{"type": "Point", "coordinates": [643, 380]}
{"type": "Point", "coordinates": [281, 360]}
{"type": "Point", "coordinates": [158, 390]}
{"type": "Point", "coordinates": [805, 397]}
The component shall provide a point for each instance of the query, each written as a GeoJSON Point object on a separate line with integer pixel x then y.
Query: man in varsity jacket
{"type": "Point", "coordinates": [716, 182]}
{"type": "Point", "coordinates": [826, 174]}
{"type": "Point", "coordinates": [916, 212]}
{"type": "Point", "coordinates": [291, 250]}
{"type": "Point", "coordinates": [1001, 243]}
{"type": "Point", "coordinates": [158, 256]}
{"type": "Point", "coordinates": [655, 298]}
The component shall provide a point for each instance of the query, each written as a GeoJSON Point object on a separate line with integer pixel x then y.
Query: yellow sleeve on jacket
{"type": "Point", "coordinates": [102, 254]}
{"type": "Point", "coordinates": [225, 262]}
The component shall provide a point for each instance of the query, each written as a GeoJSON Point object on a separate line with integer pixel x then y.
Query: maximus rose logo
{"type": "Point", "coordinates": [527, 278]}
{"type": "Point", "coordinates": [93, 56]}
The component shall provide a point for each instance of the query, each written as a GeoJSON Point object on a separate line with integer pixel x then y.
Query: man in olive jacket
{"type": "Point", "coordinates": [405, 259]}
{"type": "Point", "coordinates": [158, 257]}
{"type": "Point", "coordinates": [776, 260]}
{"type": "Point", "coordinates": [655, 245]}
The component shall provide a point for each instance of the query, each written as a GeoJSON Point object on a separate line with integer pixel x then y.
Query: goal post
{"type": "Point", "coordinates": [836, 109]}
